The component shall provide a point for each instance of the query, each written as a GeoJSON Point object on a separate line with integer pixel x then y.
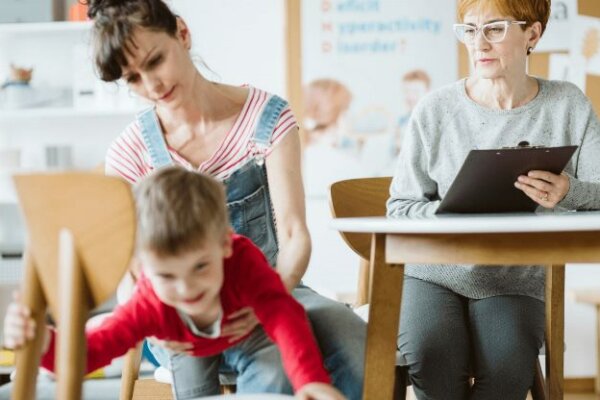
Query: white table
{"type": "Point", "coordinates": [549, 239]}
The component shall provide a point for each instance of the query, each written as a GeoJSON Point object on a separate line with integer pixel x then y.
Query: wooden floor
{"type": "Point", "coordinates": [590, 396]}
{"type": "Point", "coordinates": [568, 396]}
{"type": "Point", "coordinates": [155, 391]}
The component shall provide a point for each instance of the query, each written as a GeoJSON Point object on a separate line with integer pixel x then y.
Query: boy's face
{"type": "Point", "coordinates": [191, 281]}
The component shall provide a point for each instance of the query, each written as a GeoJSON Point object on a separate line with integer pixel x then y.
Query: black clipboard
{"type": "Point", "coordinates": [485, 182]}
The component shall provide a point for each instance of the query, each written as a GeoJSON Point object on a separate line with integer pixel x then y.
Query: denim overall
{"type": "Point", "coordinates": [248, 198]}
{"type": "Point", "coordinates": [340, 333]}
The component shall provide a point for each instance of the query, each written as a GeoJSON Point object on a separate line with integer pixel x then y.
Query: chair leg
{"type": "Point", "coordinates": [131, 371]}
{"type": "Point", "coordinates": [597, 383]}
{"type": "Point", "coordinates": [364, 277]}
{"type": "Point", "coordinates": [538, 391]}
{"type": "Point", "coordinates": [555, 329]}
{"type": "Point", "coordinates": [28, 359]}
{"type": "Point", "coordinates": [400, 382]}
{"type": "Point", "coordinates": [74, 304]}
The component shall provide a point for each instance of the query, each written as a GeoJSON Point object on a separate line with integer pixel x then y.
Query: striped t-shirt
{"type": "Point", "coordinates": [128, 156]}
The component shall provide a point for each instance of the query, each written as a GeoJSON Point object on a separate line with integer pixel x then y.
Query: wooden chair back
{"type": "Point", "coordinates": [362, 197]}
{"type": "Point", "coordinates": [81, 237]}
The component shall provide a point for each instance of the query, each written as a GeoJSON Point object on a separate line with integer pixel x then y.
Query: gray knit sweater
{"type": "Point", "coordinates": [447, 124]}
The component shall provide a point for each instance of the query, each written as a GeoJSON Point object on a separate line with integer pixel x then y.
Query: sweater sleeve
{"type": "Point", "coordinates": [282, 317]}
{"type": "Point", "coordinates": [584, 186]}
{"type": "Point", "coordinates": [412, 191]}
{"type": "Point", "coordinates": [129, 324]}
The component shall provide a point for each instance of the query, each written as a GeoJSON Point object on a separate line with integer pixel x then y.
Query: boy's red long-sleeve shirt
{"type": "Point", "coordinates": [248, 281]}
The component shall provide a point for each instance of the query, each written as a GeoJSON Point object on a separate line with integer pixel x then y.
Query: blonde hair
{"type": "Point", "coordinates": [178, 210]}
{"type": "Point", "coordinates": [530, 11]}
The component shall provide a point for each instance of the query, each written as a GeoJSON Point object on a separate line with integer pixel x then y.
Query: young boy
{"type": "Point", "coordinates": [196, 273]}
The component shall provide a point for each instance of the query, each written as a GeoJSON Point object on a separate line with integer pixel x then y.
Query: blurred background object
{"type": "Point", "coordinates": [78, 12]}
{"type": "Point", "coordinates": [31, 10]}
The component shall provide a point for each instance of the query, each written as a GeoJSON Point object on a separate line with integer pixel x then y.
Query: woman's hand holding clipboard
{"type": "Point", "coordinates": [515, 179]}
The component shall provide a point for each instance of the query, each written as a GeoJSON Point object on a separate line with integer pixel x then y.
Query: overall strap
{"type": "Point", "coordinates": [266, 125]}
{"type": "Point", "coordinates": [153, 138]}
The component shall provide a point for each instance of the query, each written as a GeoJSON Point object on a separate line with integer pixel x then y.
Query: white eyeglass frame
{"type": "Point", "coordinates": [479, 30]}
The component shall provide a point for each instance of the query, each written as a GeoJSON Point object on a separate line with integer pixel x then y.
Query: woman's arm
{"type": "Point", "coordinates": [580, 191]}
{"type": "Point", "coordinates": [287, 196]}
{"type": "Point", "coordinates": [584, 186]}
{"type": "Point", "coordinates": [412, 192]}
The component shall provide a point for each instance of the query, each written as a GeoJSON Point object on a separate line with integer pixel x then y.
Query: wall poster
{"type": "Point", "coordinates": [365, 65]}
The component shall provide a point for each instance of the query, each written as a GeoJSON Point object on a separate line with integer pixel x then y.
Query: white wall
{"type": "Point", "coordinates": [580, 323]}
{"type": "Point", "coordinates": [241, 40]}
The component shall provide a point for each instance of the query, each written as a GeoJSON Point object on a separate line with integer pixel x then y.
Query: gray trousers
{"type": "Point", "coordinates": [447, 338]}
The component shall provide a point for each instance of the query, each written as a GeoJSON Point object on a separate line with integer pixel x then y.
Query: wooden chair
{"type": "Point", "coordinates": [363, 197]}
{"type": "Point", "coordinates": [81, 229]}
{"type": "Point", "coordinates": [366, 197]}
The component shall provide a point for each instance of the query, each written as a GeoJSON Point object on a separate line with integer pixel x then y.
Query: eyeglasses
{"type": "Point", "coordinates": [494, 32]}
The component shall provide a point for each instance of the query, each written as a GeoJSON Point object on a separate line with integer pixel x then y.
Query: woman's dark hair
{"type": "Point", "coordinates": [115, 21]}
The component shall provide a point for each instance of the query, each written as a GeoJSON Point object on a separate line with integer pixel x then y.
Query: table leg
{"type": "Point", "coordinates": [384, 317]}
{"type": "Point", "coordinates": [555, 325]}
{"type": "Point", "coordinates": [598, 349]}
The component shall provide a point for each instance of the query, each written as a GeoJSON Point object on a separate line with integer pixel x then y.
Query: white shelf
{"type": "Point", "coordinates": [49, 112]}
{"type": "Point", "coordinates": [7, 173]}
{"type": "Point", "coordinates": [6, 370]}
{"type": "Point", "coordinates": [44, 27]}
{"type": "Point", "coordinates": [7, 191]}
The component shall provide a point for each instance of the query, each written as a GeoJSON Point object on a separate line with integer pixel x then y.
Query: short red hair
{"type": "Point", "coordinates": [529, 11]}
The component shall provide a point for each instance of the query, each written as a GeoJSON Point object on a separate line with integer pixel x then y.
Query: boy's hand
{"type": "Point", "coordinates": [19, 327]}
{"type": "Point", "coordinates": [239, 324]}
{"type": "Point", "coordinates": [319, 391]}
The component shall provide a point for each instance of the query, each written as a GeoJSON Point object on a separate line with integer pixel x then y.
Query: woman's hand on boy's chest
{"type": "Point", "coordinates": [239, 324]}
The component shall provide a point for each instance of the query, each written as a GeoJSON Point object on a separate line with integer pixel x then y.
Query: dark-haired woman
{"type": "Point", "coordinates": [243, 136]}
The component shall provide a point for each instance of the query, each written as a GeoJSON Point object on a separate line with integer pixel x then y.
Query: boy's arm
{"type": "Point", "coordinates": [282, 317]}
{"type": "Point", "coordinates": [117, 333]}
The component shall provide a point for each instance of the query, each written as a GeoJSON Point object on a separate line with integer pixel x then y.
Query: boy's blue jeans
{"type": "Point", "coordinates": [256, 360]}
